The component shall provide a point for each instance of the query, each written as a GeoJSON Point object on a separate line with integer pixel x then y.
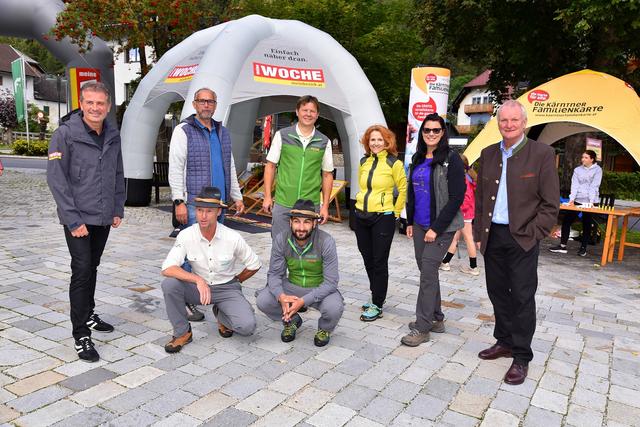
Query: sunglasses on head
{"type": "Point", "coordinates": [434, 131]}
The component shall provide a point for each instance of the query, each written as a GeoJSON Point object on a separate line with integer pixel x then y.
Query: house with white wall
{"type": "Point", "coordinates": [40, 89]}
{"type": "Point", "coordinates": [473, 105]}
{"type": "Point", "coordinates": [126, 68]}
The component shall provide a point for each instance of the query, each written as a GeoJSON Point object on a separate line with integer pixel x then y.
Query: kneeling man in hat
{"type": "Point", "coordinates": [303, 272]}
{"type": "Point", "coordinates": [212, 250]}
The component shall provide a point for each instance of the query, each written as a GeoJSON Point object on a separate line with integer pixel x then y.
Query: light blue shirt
{"type": "Point", "coordinates": [501, 208]}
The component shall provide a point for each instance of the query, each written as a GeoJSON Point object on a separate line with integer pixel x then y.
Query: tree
{"type": "Point", "coordinates": [160, 24]}
{"type": "Point", "coordinates": [382, 35]}
{"type": "Point", "coordinates": [535, 41]}
{"type": "Point", "coordinates": [35, 50]}
{"type": "Point", "coordinates": [8, 118]}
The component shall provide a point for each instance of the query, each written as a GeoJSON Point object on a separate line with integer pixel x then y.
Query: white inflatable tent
{"type": "Point", "coordinates": [258, 66]}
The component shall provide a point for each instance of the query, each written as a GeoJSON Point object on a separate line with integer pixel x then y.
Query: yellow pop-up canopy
{"type": "Point", "coordinates": [577, 102]}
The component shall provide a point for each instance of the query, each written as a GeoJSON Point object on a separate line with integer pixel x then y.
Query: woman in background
{"type": "Point", "coordinates": [468, 212]}
{"type": "Point", "coordinates": [585, 187]}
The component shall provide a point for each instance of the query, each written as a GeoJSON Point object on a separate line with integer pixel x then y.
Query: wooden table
{"type": "Point", "coordinates": [611, 230]}
{"type": "Point", "coordinates": [633, 212]}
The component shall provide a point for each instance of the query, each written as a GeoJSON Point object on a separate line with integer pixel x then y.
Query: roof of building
{"type": "Point", "coordinates": [479, 80]}
{"type": "Point", "coordinates": [8, 54]}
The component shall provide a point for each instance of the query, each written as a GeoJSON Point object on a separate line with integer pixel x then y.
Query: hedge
{"type": "Point", "coordinates": [34, 148]}
{"type": "Point", "coordinates": [625, 185]}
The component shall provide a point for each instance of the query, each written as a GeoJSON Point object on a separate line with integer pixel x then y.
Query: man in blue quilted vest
{"type": "Point", "coordinates": [200, 156]}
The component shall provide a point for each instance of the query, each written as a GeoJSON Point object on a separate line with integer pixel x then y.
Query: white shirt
{"type": "Point", "coordinates": [178, 167]}
{"type": "Point", "coordinates": [215, 260]}
{"type": "Point", "coordinates": [276, 148]}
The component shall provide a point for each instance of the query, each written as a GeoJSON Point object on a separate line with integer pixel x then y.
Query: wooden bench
{"type": "Point", "coordinates": [160, 177]}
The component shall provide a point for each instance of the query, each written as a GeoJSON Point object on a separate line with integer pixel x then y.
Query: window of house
{"type": "Point", "coordinates": [1, 81]}
{"type": "Point", "coordinates": [132, 55]}
{"type": "Point", "coordinates": [485, 100]}
{"type": "Point", "coordinates": [476, 100]}
{"type": "Point", "coordinates": [46, 110]}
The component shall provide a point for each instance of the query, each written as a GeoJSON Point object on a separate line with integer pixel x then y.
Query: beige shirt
{"type": "Point", "coordinates": [215, 260]}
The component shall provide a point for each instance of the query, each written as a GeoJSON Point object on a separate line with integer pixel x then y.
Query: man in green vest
{"type": "Point", "coordinates": [304, 160]}
{"type": "Point", "coordinates": [303, 272]}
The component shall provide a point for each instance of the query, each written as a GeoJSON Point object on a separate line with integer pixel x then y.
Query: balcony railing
{"type": "Point", "coordinates": [478, 108]}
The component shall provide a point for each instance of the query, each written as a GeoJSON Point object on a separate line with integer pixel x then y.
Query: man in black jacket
{"type": "Point", "coordinates": [86, 178]}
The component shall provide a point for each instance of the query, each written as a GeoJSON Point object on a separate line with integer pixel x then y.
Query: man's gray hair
{"type": "Point", "coordinates": [95, 87]}
{"type": "Point", "coordinates": [511, 103]}
{"type": "Point", "coordinates": [195, 95]}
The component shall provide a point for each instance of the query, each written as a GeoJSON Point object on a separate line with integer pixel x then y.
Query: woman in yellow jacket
{"type": "Point", "coordinates": [376, 211]}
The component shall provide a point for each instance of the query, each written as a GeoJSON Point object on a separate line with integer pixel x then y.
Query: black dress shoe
{"type": "Point", "coordinates": [494, 352]}
{"type": "Point", "coordinates": [516, 374]}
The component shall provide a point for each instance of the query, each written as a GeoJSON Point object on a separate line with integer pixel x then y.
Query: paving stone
{"type": "Point", "coordinates": [382, 409]}
{"type": "Point", "coordinates": [205, 384]}
{"type": "Point", "coordinates": [139, 376]}
{"type": "Point", "coordinates": [334, 355]}
{"type": "Point", "coordinates": [90, 417]}
{"type": "Point", "coordinates": [624, 414]}
{"type": "Point", "coordinates": [38, 399]}
{"type": "Point", "coordinates": [401, 391]}
{"type": "Point", "coordinates": [538, 417]}
{"type": "Point", "coordinates": [309, 399]}
{"type": "Point", "coordinates": [470, 404]}
{"type": "Point", "coordinates": [168, 382]}
{"type": "Point", "coordinates": [406, 420]}
{"type": "Point", "coordinates": [136, 418]}
{"type": "Point", "coordinates": [424, 406]}
{"type": "Point", "coordinates": [168, 403]}
{"type": "Point", "coordinates": [88, 379]}
{"type": "Point", "coordinates": [281, 416]}
{"type": "Point", "coordinates": [583, 417]}
{"type": "Point", "coordinates": [354, 366]}
{"type": "Point", "coordinates": [455, 419]}
{"type": "Point", "coordinates": [209, 405]}
{"type": "Point", "coordinates": [510, 402]}
{"type": "Point", "coordinates": [550, 400]}
{"type": "Point", "coordinates": [36, 382]}
{"type": "Point", "coordinates": [482, 386]}
{"type": "Point", "coordinates": [50, 414]}
{"type": "Point", "coordinates": [261, 402]}
{"type": "Point", "coordinates": [589, 399]}
{"type": "Point", "coordinates": [129, 400]}
{"type": "Point", "coordinates": [243, 387]}
{"type": "Point", "coordinates": [495, 418]}
{"type": "Point", "coordinates": [178, 419]}
{"type": "Point", "coordinates": [624, 395]}
{"type": "Point", "coordinates": [333, 381]}
{"type": "Point", "coordinates": [441, 388]}
{"type": "Point", "coordinates": [355, 397]}
{"type": "Point", "coordinates": [290, 383]}
{"type": "Point", "coordinates": [331, 415]}
{"type": "Point", "coordinates": [231, 417]}
{"type": "Point", "coordinates": [98, 393]}
{"type": "Point", "coordinates": [34, 367]}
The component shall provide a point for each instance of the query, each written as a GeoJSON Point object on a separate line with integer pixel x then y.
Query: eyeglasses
{"type": "Point", "coordinates": [206, 101]}
{"type": "Point", "coordinates": [434, 131]}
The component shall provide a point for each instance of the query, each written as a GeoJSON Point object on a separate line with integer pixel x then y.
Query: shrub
{"type": "Point", "coordinates": [34, 148]}
{"type": "Point", "coordinates": [625, 185]}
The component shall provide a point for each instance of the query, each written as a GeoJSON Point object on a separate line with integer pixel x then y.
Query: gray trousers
{"type": "Point", "coordinates": [429, 256]}
{"type": "Point", "coordinates": [233, 310]}
{"type": "Point", "coordinates": [279, 220]}
{"type": "Point", "coordinates": [331, 307]}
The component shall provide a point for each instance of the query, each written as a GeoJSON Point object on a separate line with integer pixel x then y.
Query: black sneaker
{"type": "Point", "coordinates": [560, 249]}
{"type": "Point", "coordinates": [193, 314]}
{"type": "Point", "coordinates": [582, 251]}
{"type": "Point", "coordinates": [98, 324]}
{"type": "Point", "coordinates": [86, 351]}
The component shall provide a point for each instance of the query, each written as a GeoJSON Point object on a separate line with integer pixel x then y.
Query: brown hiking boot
{"type": "Point", "coordinates": [224, 331]}
{"type": "Point", "coordinates": [176, 344]}
{"type": "Point", "coordinates": [414, 338]}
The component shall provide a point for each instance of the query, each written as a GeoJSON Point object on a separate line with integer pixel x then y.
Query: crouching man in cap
{"type": "Point", "coordinates": [212, 250]}
{"type": "Point", "coordinates": [303, 272]}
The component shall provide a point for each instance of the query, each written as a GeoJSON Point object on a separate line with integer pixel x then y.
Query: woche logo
{"type": "Point", "coordinates": [538, 95]}
{"type": "Point", "coordinates": [181, 73]}
{"type": "Point", "coordinates": [292, 76]}
{"type": "Point", "coordinates": [430, 78]}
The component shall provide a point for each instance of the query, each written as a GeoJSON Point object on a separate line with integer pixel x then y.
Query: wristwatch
{"type": "Point", "coordinates": [177, 202]}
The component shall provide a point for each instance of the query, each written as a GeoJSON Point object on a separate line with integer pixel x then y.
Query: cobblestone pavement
{"type": "Point", "coordinates": [586, 370]}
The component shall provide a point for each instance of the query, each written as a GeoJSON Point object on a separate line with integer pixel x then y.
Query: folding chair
{"type": "Point", "coordinates": [338, 186]}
